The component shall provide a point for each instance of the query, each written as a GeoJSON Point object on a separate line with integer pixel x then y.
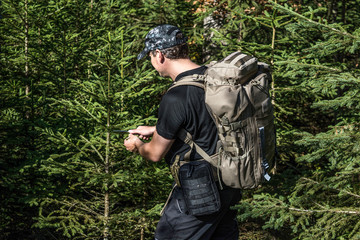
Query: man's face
{"type": "Point", "coordinates": [152, 59]}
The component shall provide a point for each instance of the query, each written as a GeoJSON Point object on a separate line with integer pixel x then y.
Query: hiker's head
{"type": "Point", "coordinates": [167, 39]}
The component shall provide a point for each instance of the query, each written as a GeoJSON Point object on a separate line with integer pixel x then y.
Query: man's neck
{"type": "Point", "coordinates": [177, 66]}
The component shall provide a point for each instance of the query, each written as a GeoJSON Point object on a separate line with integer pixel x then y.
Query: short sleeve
{"type": "Point", "coordinates": [172, 113]}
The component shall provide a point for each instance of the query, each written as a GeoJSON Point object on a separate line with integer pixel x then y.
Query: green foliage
{"type": "Point", "coordinates": [316, 86]}
{"type": "Point", "coordinates": [70, 77]}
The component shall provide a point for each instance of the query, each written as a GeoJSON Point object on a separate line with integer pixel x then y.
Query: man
{"type": "Point", "coordinates": [182, 107]}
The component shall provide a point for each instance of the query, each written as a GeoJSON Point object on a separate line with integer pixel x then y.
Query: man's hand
{"type": "Point", "coordinates": [154, 150]}
{"type": "Point", "coordinates": [144, 132]}
{"type": "Point", "coordinates": [131, 144]}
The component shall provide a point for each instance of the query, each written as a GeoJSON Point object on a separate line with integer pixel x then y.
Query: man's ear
{"type": "Point", "coordinates": [160, 56]}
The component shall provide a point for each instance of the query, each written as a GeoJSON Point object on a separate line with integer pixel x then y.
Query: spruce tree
{"type": "Point", "coordinates": [316, 195]}
{"type": "Point", "coordinates": [101, 190]}
{"type": "Point", "coordinates": [22, 108]}
{"type": "Point", "coordinates": [312, 47]}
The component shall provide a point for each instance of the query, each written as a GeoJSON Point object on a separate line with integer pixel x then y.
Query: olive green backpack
{"type": "Point", "coordinates": [237, 97]}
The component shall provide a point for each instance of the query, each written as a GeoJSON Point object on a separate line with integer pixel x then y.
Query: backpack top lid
{"type": "Point", "coordinates": [237, 68]}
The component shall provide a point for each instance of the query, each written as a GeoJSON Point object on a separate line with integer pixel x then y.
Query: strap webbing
{"type": "Point", "coordinates": [167, 201]}
{"type": "Point", "coordinates": [193, 80]}
{"type": "Point", "coordinates": [192, 83]}
{"type": "Point", "coordinates": [186, 137]}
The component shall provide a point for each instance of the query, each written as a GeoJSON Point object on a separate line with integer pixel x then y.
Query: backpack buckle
{"type": "Point", "coordinates": [188, 141]}
{"type": "Point", "coordinates": [236, 125]}
{"type": "Point", "coordinates": [225, 121]}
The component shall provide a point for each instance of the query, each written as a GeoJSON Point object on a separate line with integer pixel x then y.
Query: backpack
{"type": "Point", "coordinates": [237, 98]}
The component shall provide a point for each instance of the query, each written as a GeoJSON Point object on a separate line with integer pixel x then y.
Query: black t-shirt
{"type": "Point", "coordinates": [184, 107]}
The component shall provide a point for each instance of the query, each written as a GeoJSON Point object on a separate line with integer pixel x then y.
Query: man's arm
{"type": "Point", "coordinates": [154, 150]}
{"type": "Point", "coordinates": [143, 132]}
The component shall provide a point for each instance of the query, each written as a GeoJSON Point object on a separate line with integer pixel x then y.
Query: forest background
{"type": "Point", "coordinates": [69, 77]}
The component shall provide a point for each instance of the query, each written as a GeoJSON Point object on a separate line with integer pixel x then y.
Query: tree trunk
{"type": "Point", "coordinates": [27, 85]}
{"type": "Point", "coordinates": [330, 10]}
{"type": "Point", "coordinates": [343, 12]}
{"type": "Point", "coordinates": [107, 160]}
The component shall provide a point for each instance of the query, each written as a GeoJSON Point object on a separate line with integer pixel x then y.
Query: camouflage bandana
{"type": "Point", "coordinates": [161, 37]}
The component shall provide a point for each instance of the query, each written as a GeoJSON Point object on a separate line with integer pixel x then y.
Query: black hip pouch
{"type": "Point", "coordinates": [199, 188]}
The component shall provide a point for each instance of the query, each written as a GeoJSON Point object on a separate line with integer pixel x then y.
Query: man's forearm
{"type": "Point", "coordinates": [154, 150]}
{"type": "Point", "coordinates": [144, 150]}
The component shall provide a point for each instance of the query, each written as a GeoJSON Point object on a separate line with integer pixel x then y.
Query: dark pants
{"type": "Point", "coordinates": [175, 224]}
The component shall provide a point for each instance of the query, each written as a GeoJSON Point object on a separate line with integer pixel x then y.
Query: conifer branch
{"type": "Point", "coordinates": [86, 110]}
{"type": "Point", "coordinates": [327, 186]}
{"type": "Point", "coordinates": [324, 211]}
{"type": "Point", "coordinates": [307, 65]}
{"type": "Point", "coordinates": [75, 146]}
{"type": "Point", "coordinates": [92, 146]}
{"type": "Point", "coordinates": [278, 6]}
{"type": "Point", "coordinates": [80, 205]}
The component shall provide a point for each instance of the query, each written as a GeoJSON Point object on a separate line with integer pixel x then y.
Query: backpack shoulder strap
{"type": "Point", "coordinates": [193, 80]}
{"type": "Point", "coordinates": [186, 137]}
